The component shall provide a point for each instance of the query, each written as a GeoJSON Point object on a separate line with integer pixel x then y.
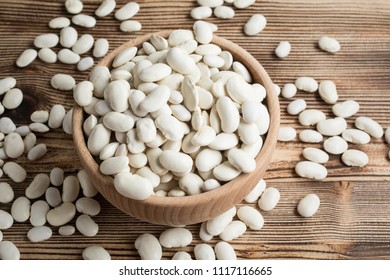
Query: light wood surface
{"type": "Point", "coordinates": [176, 211]}
{"type": "Point", "coordinates": [353, 220]}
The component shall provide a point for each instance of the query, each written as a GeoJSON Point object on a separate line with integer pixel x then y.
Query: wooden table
{"type": "Point", "coordinates": [354, 218]}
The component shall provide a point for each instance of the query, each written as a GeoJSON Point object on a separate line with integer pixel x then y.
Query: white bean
{"type": "Point", "coordinates": [130, 26]}
{"type": "Point", "coordinates": [233, 231]}
{"type": "Point", "coordinates": [312, 170]}
{"type": "Point", "coordinates": [356, 136]}
{"type": "Point", "coordinates": [73, 6]}
{"type": "Point", "coordinates": [49, 40]}
{"type": "Point", "coordinates": [335, 145]}
{"type": "Point", "coordinates": [148, 247]}
{"type": "Point", "coordinates": [127, 11]}
{"type": "Point", "coordinates": [216, 225]}
{"type": "Point", "coordinates": [311, 117]}
{"type": "Point", "coordinates": [39, 234]}
{"type": "Point", "coordinates": [9, 251]}
{"type": "Point", "coordinates": [38, 186]}
{"type": "Point", "coordinates": [328, 92]}
{"type": "Point", "coordinates": [283, 49]}
{"type": "Point", "coordinates": [315, 155]}
{"type": "Point", "coordinates": [355, 158]}
{"type": "Point", "coordinates": [96, 252]}
{"type": "Point", "coordinates": [133, 186]}
{"type": "Point", "coordinates": [20, 209]}
{"type": "Point", "coordinates": [68, 36]}
{"type": "Point", "coordinates": [201, 12]}
{"type": "Point", "coordinates": [66, 230]}
{"type": "Point", "coordinates": [53, 197]}
{"type": "Point", "coordinates": [310, 136]}
{"type": "Point", "coordinates": [288, 91]}
{"type": "Point", "coordinates": [6, 220]}
{"type": "Point", "coordinates": [251, 217]}
{"type": "Point", "coordinates": [70, 189]}
{"type": "Point", "coordinates": [286, 133]}
{"type": "Point", "coordinates": [224, 251]}
{"type": "Point", "coordinates": [47, 55]}
{"type": "Point", "coordinates": [203, 32]}
{"type": "Point", "coordinates": [308, 205]}
{"type": "Point", "coordinates": [224, 12]}
{"type": "Point", "coordinates": [59, 22]}
{"type": "Point", "coordinates": [101, 48]}
{"type": "Point", "coordinates": [332, 127]}
{"type": "Point", "coordinates": [181, 256]}
{"type": "Point", "coordinates": [84, 20]}
{"type": "Point", "coordinates": [6, 193]}
{"type": "Point", "coordinates": [26, 58]}
{"type": "Point", "coordinates": [175, 237]}
{"type": "Point", "coordinates": [255, 25]}
{"type": "Point", "coordinates": [86, 226]}
{"type": "Point", "coordinates": [242, 4]}
{"type": "Point", "coordinates": [105, 8]}
{"type": "Point", "coordinates": [14, 171]}
{"type": "Point", "coordinates": [256, 192]}
{"type": "Point", "coordinates": [204, 252]}
{"type": "Point", "coordinates": [329, 44]}
{"type": "Point", "coordinates": [370, 126]}
{"type": "Point", "coordinates": [269, 199]}
{"type": "Point", "coordinates": [68, 57]}
{"type": "Point", "coordinates": [306, 84]}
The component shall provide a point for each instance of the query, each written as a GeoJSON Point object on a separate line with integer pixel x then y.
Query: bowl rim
{"type": "Point", "coordinates": [263, 159]}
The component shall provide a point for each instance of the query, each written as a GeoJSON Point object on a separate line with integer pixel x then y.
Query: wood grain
{"type": "Point", "coordinates": [352, 222]}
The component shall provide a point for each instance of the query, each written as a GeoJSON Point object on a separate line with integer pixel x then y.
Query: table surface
{"type": "Point", "coordinates": [353, 221]}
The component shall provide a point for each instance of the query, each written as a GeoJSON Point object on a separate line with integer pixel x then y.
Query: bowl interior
{"type": "Point", "coordinates": [195, 208]}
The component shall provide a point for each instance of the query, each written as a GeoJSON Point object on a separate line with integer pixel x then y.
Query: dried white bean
{"type": "Point", "coordinates": [6, 193]}
{"type": "Point", "coordinates": [56, 116]}
{"type": "Point", "coordinates": [9, 251]}
{"type": "Point", "coordinates": [13, 145]}
{"type": "Point", "coordinates": [286, 133]}
{"type": "Point", "coordinates": [148, 247]}
{"type": "Point", "coordinates": [96, 252]}
{"type": "Point", "coordinates": [39, 234]}
{"type": "Point", "coordinates": [355, 158]}
{"type": "Point", "coordinates": [68, 57]}
{"type": "Point", "coordinates": [66, 230]}
{"type": "Point", "coordinates": [70, 189]}
{"type": "Point", "coordinates": [59, 22]}
{"type": "Point", "coordinates": [53, 196]}
{"type": "Point", "coordinates": [224, 251]}
{"type": "Point", "coordinates": [311, 117]}
{"type": "Point", "coordinates": [329, 44]}
{"type": "Point", "coordinates": [37, 152]}
{"type": "Point", "coordinates": [14, 171]}
{"type": "Point", "coordinates": [356, 136]}
{"type": "Point", "coordinates": [84, 20]}
{"type": "Point", "coordinates": [26, 58]}
{"type": "Point", "coordinates": [283, 49]}
{"type": "Point", "coordinates": [306, 84]}
{"type": "Point", "coordinates": [216, 225]}
{"type": "Point", "coordinates": [224, 12]}
{"type": "Point", "coordinates": [288, 91]}
{"type": "Point", "coordinates": [49, 40]}
{"type": "Point", "coordinates": [233, 231]}
{"type": "Point", "coordinates": [6, 220]}
{"type": "Point", "coordinates": [101, 48]}
{"type": "Point", "coordinates": [73, 6]}
{"type": "Point", "coordinates": [335, 145]}
{"type": "Point", "coordinates": [86, 226]}
{"type": "Point", "coordinates": [130, 26]}
{"type": "Point", "coordinates": [328, 92]}
{"type": "Point", "coordinates": [204, 252]}
{"type": "Point", "coordinates": [269, 199]}
{"type": "Point", "coordinates": [181, 256]}
{"type": "Point", "coordinates": [310, 136]}
{"type": "Point", "coordinates": [203, 32]}
{"type": "Point", "coordinates": [315, 155]}
{"type": "Point", "coordinates": [251, 217]}
{"type": "Point", "coordinates": [38, 186]}
{"type": "Point", "coordinates": [47, 55]}
{"type": "Point", "coordinates": [20, 209]}
{"type": "Point", "coordinates": [255, 25]}
{"type": "Point", "coordinates": [175, 237]}
{"type": "Point", "coordinates": [127, 11]}
{"type": "Point", "coordinates": [308, 205]}
{"type": "Point", "coordinates": [332, 127]}
{"type": "Point", "coordinates": [370, 126]}
{"type": "Point", "coordinates": [201, 12]}
{"type": "Point", "coordinates": [133, 186]}
{"type": "Point", "coordinates": [68, 36]}
{"type": "Point", "coordinates": [256, 192]}
{"type": "Point", "coordinates": [105, 8]}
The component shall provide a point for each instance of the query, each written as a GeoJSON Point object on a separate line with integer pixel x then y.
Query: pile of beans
{"type": "Point", "coordinates": [183, 119]}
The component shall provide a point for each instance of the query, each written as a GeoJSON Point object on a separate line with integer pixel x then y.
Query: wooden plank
{"type": "Point", "coordinates": [352, 222]}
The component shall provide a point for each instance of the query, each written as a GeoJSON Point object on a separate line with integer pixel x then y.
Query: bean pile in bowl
{"type": "Point", "coordinates": [176, 127]}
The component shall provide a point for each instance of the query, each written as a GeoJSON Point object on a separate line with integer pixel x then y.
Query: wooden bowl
{"type": "Point", "coordinates": [196, 208]}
